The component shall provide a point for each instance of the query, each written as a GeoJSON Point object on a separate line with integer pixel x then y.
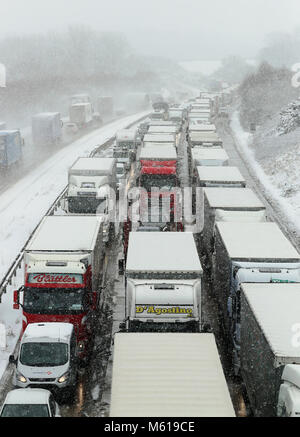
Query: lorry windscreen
{"type": "Point", "coordinates": [44, 354]}
{"type": "Point", "coordinates": [55, 301]}
{"type": "Point", "coordinates": [167, 182]}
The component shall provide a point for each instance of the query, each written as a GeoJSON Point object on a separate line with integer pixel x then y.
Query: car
{"type": "Point", "coordinates": [29, 402]}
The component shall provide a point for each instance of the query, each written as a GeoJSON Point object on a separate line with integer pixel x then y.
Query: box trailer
{"type": "Point", "coordinates": [207, 156]}
{"type": "Point", "coordinates": [270, 349]}
{"type": "Point", "coordinates": [168, 375]}
{"type": "Point", "coordinates": [11, 151]}
{"type": "Point", "coordinates": [226, 199]}
{"type": "Point", "coordinates": [248, 252]}
{"type": "Point", "coordinates": [62, 276]}
{"type": "Point", "coordinates": [216, 177]}
{"type": "Point", "coordinates": [204, 139]}
{"type": "Point", "coordinates": [46, 128]}
{"type": "Point", "coordinates": [163, 282]}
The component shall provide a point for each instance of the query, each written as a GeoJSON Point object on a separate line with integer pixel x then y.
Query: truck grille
{"type": "Point", "coordinates": [87, 194]}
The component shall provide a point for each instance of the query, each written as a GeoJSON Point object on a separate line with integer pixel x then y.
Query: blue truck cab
{"type": "Point", "coordinates": [11, 144]}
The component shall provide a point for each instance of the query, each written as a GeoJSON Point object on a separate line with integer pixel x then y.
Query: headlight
{"type": "Point", "coordinates": [63, 378]}
{"type": "Point", "coordinates": [21, 378]}
{"type": "Point", "coordinates": [80, 345]}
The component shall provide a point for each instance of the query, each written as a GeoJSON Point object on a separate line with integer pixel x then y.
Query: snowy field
{"type": "Point", "coordinates": [22, 207]}
{"type": "Point", "coordinates": [278, 171]}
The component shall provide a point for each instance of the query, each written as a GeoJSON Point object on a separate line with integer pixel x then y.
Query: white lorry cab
{"type": "Point", "coordinates": [47, 358]}
{"type": "Point", "coordinates": [163, 276]}
{"type": "Point", "coordinates": [27, 402]}
{"type": "Point", "coordinates": [168, 375]}
{"type": "Point", "coordinates": [91, 181]}
{"type": "Point", "coordinates": [270, 353]}
{"type": "Point", "coordinates": [248, 253]}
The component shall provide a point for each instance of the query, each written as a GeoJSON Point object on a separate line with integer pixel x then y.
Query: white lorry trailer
{"type": "Point", "coordinates": [227, 199]}
{"type": "Point", "coordinates": [205, 139]}
{"type": "Point", "coordinates": [159, 138]}
{"type": "Point", "coordinates": [163, 275]}
{"type": "Point", "coordinates": [216, 177]}
{"type": "Point", "coordinates": [248, 252]}
{"type": "Point", "coordinates": [202, 128]}
{"type": "Point", "coordinates": [208, 157]}
{"type": "Point", "coordinates": [63, 274]}
{"type": "Point", "coordinates": [270, 352]}
{"type": "Point", "coordinates": [46, 128]}
{"type": "Point", "coordinates": [168, 375]}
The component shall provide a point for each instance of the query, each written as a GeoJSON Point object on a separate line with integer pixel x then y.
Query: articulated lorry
{"type": "Point", "coordinates": [81, 115]}
{"type": "Point", "coordinates": [248, 252]}
{"type": "Point", "coordinates": [270, 349]}
{"type": "Point", "coordinates": [46, 128]}
{"type": "Point", "coordinates": [208, 157]}
{"type": "Point", "coordinates": [163, 282]}
{"type": "Point", "coordinates": [63, 273]}
{"type": "Point", "coordinates": [168, 375]}
{"type": "Point", "coordinates": [217, 177]}
{"type": "Point", "coordinates": [218, 200]}
{"type": "Point", "coordinates": [125, 147]}
{"type": "Point", "coordinates": [92, 183]}
{"type": "Point", "coordinates": [11, 152]}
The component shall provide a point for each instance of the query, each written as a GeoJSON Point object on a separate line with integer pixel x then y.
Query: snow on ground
{"type": "Point", "coordinates": [22, 207]}
{"type": "Point", "coordinates": [278, 174]}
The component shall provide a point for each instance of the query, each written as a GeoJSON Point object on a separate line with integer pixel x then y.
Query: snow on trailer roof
{"type": "Point", "coordinates": [165, 152]}
{"type": "Point", "coordinates": [256, 241]}
{"type": "Point", "coordinates": [55, 331]}
{"type": "Point", "coordinates": [65, 233]}
{"type": "Point", "coordinates": [267, 302]}
{"type": "Point", "coordinates": [204, 136]}
{"type": "Point", "coordinates": [96, 165]}
{"type": "Point", "coordinates": [207, 153]}
{"type": "Point", "coordinates": [27, 396]}
{"type": "Point", "coordinates": [159, 138]}
{"type": "Point", "coordinates": [219, 174]}
{"type": "Point", "coordinates": [202, 128]}
{"type": "Point", "coordinates": [162, 129]}
{"type": "Point", "coordinates": [46, 115]}
{"type": "Point", "coordinates": [168, 375]}
{"type": "Point", "coordinates": [231, 198]}
{"type": "Point", "coordinates": [162, 252]}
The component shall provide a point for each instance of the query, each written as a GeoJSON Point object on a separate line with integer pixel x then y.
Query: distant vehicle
{"type": "Point", "coordinates": [29, 402]}
{"type": "Point", "coordinates": [159, 114]}
{"type": "Point", "coordinates": [48, 357]}
{"type": "Point", "coordinates": [81, 114]}
{"type": "Point", "coordinates": [11, 151]}
{"type": "Point", "coordinates": [124, 149]}
{"type": "Point", "coordinates": [46, 128]}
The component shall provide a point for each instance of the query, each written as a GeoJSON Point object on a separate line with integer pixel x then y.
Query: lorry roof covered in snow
{"type": "Point", "coordinates": [165, 152]}
{"type": "Point", "coordinates": [102, 165]}
{"type": "Point", "coordinates": [276, 309]}
{"type": "Point", "coordinates": [65, 233]}
{"type": "Point", "coordinates": [27, 396]}
{"type": "Point", "coordinates": [52, 331]}
{"type": "Point", "coordinates": [168, 375]}
{"type": "Point", "coordinates": [219, 174]}
{"type": "Point", "coordinates": [232, 198]}
{"type": "Point", "coordinates": [159, 138]}
{"type": "Point", "coordinates": [202, 127]}
{"type": "Point", "coordinates": [209, 153]}
{"type": "Point", "coordinates": [162, 129]}
{"type": "Point", "coordinates": [46, 115]}
{"type": "Point", "coordinates": [256, 241]}
{"type": "Point", "coordinates": [162, 252]}
{"type": "Point", "coordinates": [204, 136]}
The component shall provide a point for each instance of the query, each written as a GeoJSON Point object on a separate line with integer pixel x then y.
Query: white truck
{"type": "Point", "coordinates": [248, 252]}
{"type": "Point", "coordinates": [163, 282]}
{"type": "Point", "coordinates": [159, 138]}
{"type": "Point", "coordinates": [124, 149]}
{"type": "Point", "coordinates": [206, 156]}
{"type": "Point", "coordinates": [168, 375]}
{"type": "Point", "coordinates": [81, 115]}
{"type": "Point", "coordinates": [30, 402]}
{"type": "Point", "coordinates": [202, 128]}
{"type": "Point", "coordinates": [217, 200]}
{"type": "Point", "coordinates": [91, 181]}
{"type": "Point", "coordinates": [270, 352]}
{"type": "Point", "coordinates": [46, 128]}
{"type": "Point", "coordinates": [63, 274]}
{"type": "Point", "coordinates": [216, 177]}
{"type": "Point", "coordinates": [163, 130]}
{"type": "Point", "coordinates": [204, 139]}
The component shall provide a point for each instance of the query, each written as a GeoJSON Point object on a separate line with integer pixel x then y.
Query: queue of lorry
{"type": "Point", "coordinates": [253, 273]}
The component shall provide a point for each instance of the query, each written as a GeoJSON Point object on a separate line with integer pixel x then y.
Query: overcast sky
{"type": "Point", "coordinates": [180, 29]}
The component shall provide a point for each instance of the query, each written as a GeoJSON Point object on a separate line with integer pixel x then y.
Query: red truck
{"type": "Point", "coordinates": [63, 263]}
